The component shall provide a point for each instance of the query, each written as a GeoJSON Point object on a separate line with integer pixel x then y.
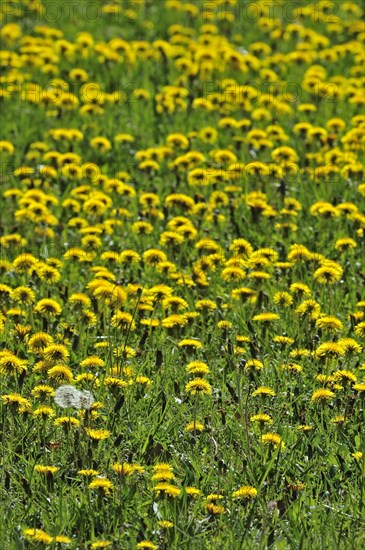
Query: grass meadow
{"type": "Point", "coordinates": [182, 263]}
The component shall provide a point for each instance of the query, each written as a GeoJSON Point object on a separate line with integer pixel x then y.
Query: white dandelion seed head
{"type": "Point", "coordinates": [69, 396]}
{"type": "Point", "coordinates": [86, 400]}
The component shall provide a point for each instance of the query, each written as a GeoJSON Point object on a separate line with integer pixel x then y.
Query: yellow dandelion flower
{"type": "Point", "coordinates": [327, 275]}
{"type": "Point", "coordinates": [360, 329]}
{"type": "Point", "coordinates": [123, 321]}
{"type": "Point", "coordinates": [97, 435]}
{"type": "Point", "coordinates": [283, 298]}
{"type": "Point", "coordinates": [125, 469]}
{"type": "Point", "coordinates": [168, 489]}
{"type": "Point", "coordinates": [102, 484]}
{"type": "Point", "coordinates": [345, 243]}
{"type": "Point", "coordinates": [12, 365]}
{"type": "Point", "coordinates": [147, 544]}
{"type": "Point", "coordinates": [37, 535]}
{"type": "Point", "coordinates": [17, 402]}
{"type": "Point", "coordinates": [329, 323]}
{"type": "Point", "coordinates": [192, 492]}
{"type": "Point", "coordinates": [261, 418]}
{"type": "Point", "coordinates": [44, 412]}
{"type": "Point", "coordinates": [266, 317]}
{"type": "Point", "coordinates": [60, 373]}
{"type": "Point", "coordinates": [67, 421]}
{"type": "Point", "coordinates": [48, 307]}
{"type": "Point", "coordinates": [55, 353]}
{"type": "Point", "coordinates": [197, 367]}
{"type": "Point", "coordinates": [198, 386]}
{"type": "Point", "coordinates": [23, 295]}
{"type": "Point", "coordinates": [190, 344]}
{"type": "Point", "coordinates": [323, 395]}
{"type": "Point", "coordinates": [46, 470]}
{"type": "Point", "coordinates": [345, 376]}
{"type": "Point", "coordinates": [88, 473]}
{"type": "Point", "coordinates": [194, 426]}
{"type": "Point", "coordinates": [245, 492]}
{"type": "Point", "coordinates": [163, 475]}
{"type": "Point", "coordinates": [273, 439]}
{"type": "Point", "coordinates": [254, 364]}
{"type": "Point", "coordinates": [338, 419]}
{"type": "Point", "coordinates": [329, 350]}
{"type": "Point", "coordinates": [263, 391]}
{"type": "Point", "coordinates": [215, 509]}
{"type": "Point", "coordinates": [305, 428]}
{"type": "Point", "coordinates": [165, 524]}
